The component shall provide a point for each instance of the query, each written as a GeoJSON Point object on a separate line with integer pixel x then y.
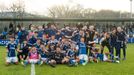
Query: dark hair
{"type": "Point", "coordinates": [10, 25]}
{"type": "Point", "coordinates": [19, 26]}
{"type": "Point", "coordinates": [36, 32]}
{"type": "Point", "coordinates": [43, 26]}
{"type": "Point", "coordinates": [57, 46]}
{"type": "Point", "coordinates": [114, 29]}
{"type": "Point", "coordinates": [30, 27]}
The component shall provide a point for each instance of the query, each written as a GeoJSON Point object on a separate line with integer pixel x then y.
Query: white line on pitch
{"type": "Point", "coordinates": [32, 69]}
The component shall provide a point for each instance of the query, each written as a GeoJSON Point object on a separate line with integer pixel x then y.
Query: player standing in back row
{"type": "Point", "coordinates": [90, 34]}
{"type": "Point", "coordinates": [121, 43]}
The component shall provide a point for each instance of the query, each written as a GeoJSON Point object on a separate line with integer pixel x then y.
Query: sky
{"type": "Point", "coordinates": [41, 6]}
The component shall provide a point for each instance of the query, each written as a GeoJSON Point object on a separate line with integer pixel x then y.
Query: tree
{"type": "Point", "coordinates": [89, 13]}
{"type": "Point", "coordinates": [65, 11]}
{"type": "Point", "coordinates": [18, 9]}
{"type": "Point", "coordinates": [3, 8]}
{"type": "Point", "coordinates": [77, 11]}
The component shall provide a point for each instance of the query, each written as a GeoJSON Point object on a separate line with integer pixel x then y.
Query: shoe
{"type": "Point", "coordinates": [52, 65]}
{"type": "Point", "coordinates": [22, 63]}
{"type": "Point", "coordinates": [83, 64]}
{"type": "Point", "coordinates": [70, 65]}
{"type": "Point", "coordinates": [76, 64]}
{"type": "Point", "coordinates": [41, 62]}
{"type": "Point", "coordinates": [96, 61]}
{"type": "Point", "coordinates": [117, 61]}
{"type": "Point", "coordinates": [91, 61]}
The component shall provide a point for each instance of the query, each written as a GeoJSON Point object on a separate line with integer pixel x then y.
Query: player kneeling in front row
{"type": "Point", "coordinates": [95, 51]}
{"type": "Point", "coordinates": [23, 51]}
{"type": "Point", "coordinates": [43, 54]}
{"type": "Point", "coordinates": [71, 57]}
{"type": "Point", "coordinates": [33, 57]}
{"type": "Point", "coordinates": [56, 58]}
{"type": "Point", "coordinates": [11, 52]}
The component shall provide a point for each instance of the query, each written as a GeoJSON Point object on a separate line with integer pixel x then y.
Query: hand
{"type": "Point", "coordinates": [19, 50]}
{"type": "Point", "coordinates": [7, 51]}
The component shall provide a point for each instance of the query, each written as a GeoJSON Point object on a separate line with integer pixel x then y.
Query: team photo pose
{"type": "Point", "coordinates": [71, 46]}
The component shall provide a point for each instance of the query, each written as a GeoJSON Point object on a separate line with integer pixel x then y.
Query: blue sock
{"type": "Point", "coordinates": [39, 62]}
{"type": "Point", "coordinates": [100, 57]}
{"type": "Point", "coordinates": [81, 61]}
{"type": "Point", "coordinates": [25, 62]}
{"type": "Point", "coordinates": [72, 62]}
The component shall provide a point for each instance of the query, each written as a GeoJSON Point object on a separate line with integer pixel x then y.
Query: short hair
{"type": "Point", "coordinates": [36, 32]}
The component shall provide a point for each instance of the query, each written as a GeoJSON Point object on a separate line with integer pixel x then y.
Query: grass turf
{"type": "Point", "coordinates": [123, 68]}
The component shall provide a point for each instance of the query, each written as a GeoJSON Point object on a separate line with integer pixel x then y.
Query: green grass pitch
{"type": "Point", "coordinates": [123, 68]}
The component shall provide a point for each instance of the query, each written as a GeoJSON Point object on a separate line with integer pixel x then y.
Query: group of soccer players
{"type": "Point", "coordinates": [69, 45]}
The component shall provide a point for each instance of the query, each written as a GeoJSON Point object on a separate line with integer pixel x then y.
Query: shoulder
{"type": "Point", "coordinates": [124, 32]}
{"type": "Point", "coordinates": [103, 39]}
{"type": "Point", "coordinates": [8, 43]}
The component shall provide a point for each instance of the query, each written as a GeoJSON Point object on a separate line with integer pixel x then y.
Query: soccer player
{"type": "Point", "coordinates": [23, 51]}
{"type": "Point", "coordinates": [33, 57]}
{"type": "Point", "coordinates": [33, 39]}
{"type": "Point", "coordinates": [77, 36]}
{"type": "Point", "coordinates": [95, 52]}
{"type": "Point", "coordinates": [56, 58]}
{"type": "Point", "coordinates": [71, 56]}
{"type": "Point", "coordinates": [65, 45]}
{"type": "Point", "coordinates": [43, 54]}
{"type": "Point", "coordinates": [45, 38]}
{"type": "Point", "coordinates": [52, 30]}
{"type": "Point", "coordinates": [90, 34]}
{"type": "Point", "coordinates": [105, 41]}
{"type": "Point", "coordinates": [53, 41]}
{"type": "Point", "coordinates": [82, 52]}
{"type": "Point", "coordinates": [121, 43]}
{"type": "Point", "coordinates": [113, 42]}
{"type": "Point", "coordinates": [40, 32]}
{"type": "Point", "coordinates": [30, 32]}
{"type": "Point", "coordinates": [22, 35]}
{"type": "Point", "coordinates": [105, 57]}
{"type": "Point", "coordinates": [4, 33]}
{"type": "Point", "coordinates": [59, 35]}
{"type": "Point", "coordinates": [37, 44]}
{"type": "Point", "coordinates": [11, 51]}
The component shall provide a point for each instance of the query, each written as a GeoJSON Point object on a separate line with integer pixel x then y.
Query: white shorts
{"type": "Point", "coordinates": [105, 58]}
{"type": "Point", "coordinates": [33, 61]}
{"type": "Point", "coordinates": [11, 59]}
{"type": "Point", "coordinates": [83, 56]}
{"type": "Point", "coordinates": [44, 59]}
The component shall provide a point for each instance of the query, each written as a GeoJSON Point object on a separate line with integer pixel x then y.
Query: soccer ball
{"type": "Point", "coordinates": [117, 61]}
